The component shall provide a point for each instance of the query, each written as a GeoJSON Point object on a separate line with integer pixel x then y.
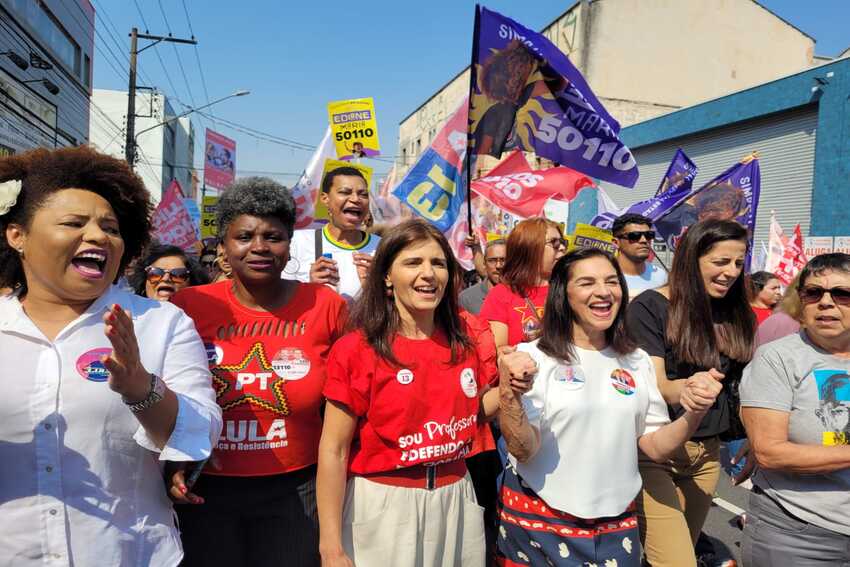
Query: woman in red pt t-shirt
{"type": "Point", "coordinates": [406, 393]}
{"type": "Point", "coordinates": [514, 308]}
{"type": "Point", "coordinates": [267, 339]}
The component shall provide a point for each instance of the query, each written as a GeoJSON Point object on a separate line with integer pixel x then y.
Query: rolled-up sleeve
{"type": "Point", "coordinates": [186, 372]}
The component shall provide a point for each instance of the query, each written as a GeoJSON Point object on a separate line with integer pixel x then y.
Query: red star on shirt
{"type": "Point", "coordinates": [526, 314]}
{"type": "Point", "coordinates": [273, 398]}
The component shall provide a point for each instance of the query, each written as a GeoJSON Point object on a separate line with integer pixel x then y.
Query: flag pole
{"type": "Point", "coordinates": [468, 157]}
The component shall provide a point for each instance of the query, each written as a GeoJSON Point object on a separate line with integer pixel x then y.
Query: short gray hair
{"type": "Point", "coordinates": [258, 197]}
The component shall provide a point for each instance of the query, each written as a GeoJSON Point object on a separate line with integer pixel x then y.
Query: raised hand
{"type": "Point", "coordinates": [127, 376]}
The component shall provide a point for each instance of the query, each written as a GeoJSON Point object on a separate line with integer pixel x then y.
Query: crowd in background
{"type": "Point", "coordinates": [334, 397]}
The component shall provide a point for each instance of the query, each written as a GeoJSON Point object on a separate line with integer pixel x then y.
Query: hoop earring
{"type": "Point", "coordinates": [296, 269]}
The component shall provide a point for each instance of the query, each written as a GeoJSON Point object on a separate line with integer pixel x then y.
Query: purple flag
{"type": "Point", "coordinates": [676, 186]}
{"type": "Point", "coordinates": [734, 194]}
{"type": "Point", "coordinates": [527, 94]}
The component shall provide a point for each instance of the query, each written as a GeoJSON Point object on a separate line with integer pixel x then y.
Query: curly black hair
{"type": "Point", "coordinates": [44, 172]}
{"type": "Point", "coordinates": [197, 274]}
{"type": "Point", "coordinates": [258, 197]}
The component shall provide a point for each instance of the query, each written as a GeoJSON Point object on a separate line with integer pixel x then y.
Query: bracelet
{"type": "Point", "coordinates": [155, 395]}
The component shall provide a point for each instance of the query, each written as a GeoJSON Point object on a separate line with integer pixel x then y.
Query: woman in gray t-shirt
{"type": "Point", "coordinates": [795, 398]}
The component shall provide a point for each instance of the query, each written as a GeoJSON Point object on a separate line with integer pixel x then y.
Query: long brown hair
{"type": "Point", "coordinates": [524, 255]}
{"type": "Point", "coordinates": [374, 312]}
{"type": "Point", "coordinates": [557, 339]}
{"type": "Point", "coordinates": [698, 327]}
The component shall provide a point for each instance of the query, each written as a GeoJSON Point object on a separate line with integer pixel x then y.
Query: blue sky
{"type": "Point", "coordinates": [295, 57]}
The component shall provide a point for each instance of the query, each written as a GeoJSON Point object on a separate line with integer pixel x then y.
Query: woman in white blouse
{"type": "Point", "coordinates": [99, 386]}
{"type": "Point", "coordinates": [573, 437]}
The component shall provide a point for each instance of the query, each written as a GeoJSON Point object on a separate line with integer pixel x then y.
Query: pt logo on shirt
{"type": "Point", "coordinates": [468, 383]}
{"type": "Point", "coordinates": [623, 382]}
{"type": "Point", "coordinates": [91, 368]}
{"type": "Point", "coordinates": [404, 376]}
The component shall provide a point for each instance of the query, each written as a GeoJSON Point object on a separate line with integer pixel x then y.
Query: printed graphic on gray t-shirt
{"type": "Point", "coordinates": [813, 386]}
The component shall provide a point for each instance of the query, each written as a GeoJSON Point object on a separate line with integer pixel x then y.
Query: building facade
{"type": "Point", "coordinates": [165, 152]}
{"type": "Point", "coordinates": [46, 57]}
{"type": "Point", "coordinates": [640, 65]}
{"type": "Point", "coordinates": [799, 126]}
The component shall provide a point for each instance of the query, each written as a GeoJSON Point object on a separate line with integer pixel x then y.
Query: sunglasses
{"type": "Point", "coordinates": [809, 295]}
{"type": "Point", "coordinates": [636, 235]}
{"type": "Point", "coordinates": [178, 275]}
{"type": "Point", "coordinates": [557, 243]}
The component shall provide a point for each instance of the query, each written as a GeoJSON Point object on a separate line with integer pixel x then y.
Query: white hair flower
{"type": "Point", "coordinates": [9, 191]}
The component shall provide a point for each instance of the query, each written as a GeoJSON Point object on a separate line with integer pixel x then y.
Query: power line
{"type": "Point", "coordinates": [177, 55]}
{"type": "Point", "coordinates": [156, 51]}
{"type": "Point", "coordinates": [198, 60]}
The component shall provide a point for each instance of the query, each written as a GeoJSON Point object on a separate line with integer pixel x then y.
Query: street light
{"type": "Point", "coordinates": [241, 92]}
{"type": "Point", "coordinates": [51, 87]}
{"type": "Point", "coordinates": [19, 61]}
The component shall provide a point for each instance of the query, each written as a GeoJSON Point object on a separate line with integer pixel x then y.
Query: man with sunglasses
{"type": "Point", "coordinates": [633, 236]}
{"type": "Point", "coordinates": [472, 297]}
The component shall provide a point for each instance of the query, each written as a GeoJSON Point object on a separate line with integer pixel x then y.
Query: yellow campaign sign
{"type": "Point", "coordinates": [330, 165]}
{"type": "Point", "coordinates": [354, 128]}
{"type": "Point", "coordinates": [209, 226]}
{"type": "Point", "coordinates": [587, 236]}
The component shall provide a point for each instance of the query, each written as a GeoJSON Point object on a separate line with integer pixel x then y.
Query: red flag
{"type": "Point", "coordinates": [515, 188]}
{"type": "Point", "coordinates": [171, 221]}
{"type": "Point", "coordinates": [793, 258]}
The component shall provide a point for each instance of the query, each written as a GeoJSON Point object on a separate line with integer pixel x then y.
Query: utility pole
{"type": "Point", "coordinates": [130, 144]}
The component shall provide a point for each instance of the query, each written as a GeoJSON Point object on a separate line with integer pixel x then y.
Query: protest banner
{"type": "Point", "coordinates": [321, 211]}
{"type": "Point", "coordinates": [588, 236]}
{"type": "Point", "coordinates": [675, 187]}
{"type": "Point", "coordinates": [817, 245]}
{"type": "Point", "coordinates": [170, 222]}
{"type": "Point", "coordinates": [435, 189]}
{"type": "Point", "coordinates": [526, 94]}
{"type": "Point", "coordinates": [732, 195]}
{"type": "Point", "coordinates": [306, 190]}
{"type": "Point", "coordinates": [209, 210]}
{"type": "Point", "coordinates": [354, 128]}
{"type": "Point", "coordinates": [517, 189]}
{"type": "Point", "coordinates": [194, 214]}
{"type": "Point", "coordinates": [842, 244]}
{"type": "Point", "coordinates": [219, 160]}
{"type": "Point", "coordinates": [775, 245]}
{"type": "Point", "coordinates": [793, 258]}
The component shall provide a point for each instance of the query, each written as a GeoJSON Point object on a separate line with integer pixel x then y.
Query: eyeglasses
{"type": "Point", "coordinates": [556, 243]}
{"type": "Point", "coordinates": [636, 235]}
{"type": "Point", "coordinates": [809, 295]}
{"type": "Point", "coordinates": [495, 261]}
{"type": "Point", "coordinates": [178, 275]}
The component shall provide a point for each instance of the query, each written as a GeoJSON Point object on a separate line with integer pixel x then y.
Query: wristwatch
{"type": "Point", "coordinates": [157, 392]}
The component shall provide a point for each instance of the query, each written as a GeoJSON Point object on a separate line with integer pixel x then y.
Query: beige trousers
{"type": "Point", "coordinates": [675, 500]}
{"type": "Point", "coordinates": [412, 527]}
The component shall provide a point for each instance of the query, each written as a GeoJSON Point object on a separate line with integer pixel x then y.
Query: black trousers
{"type": "Point", "coordinates": [252, 521]}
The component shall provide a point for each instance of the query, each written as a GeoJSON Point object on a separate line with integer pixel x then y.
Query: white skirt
{"type": "Point", "coordinates": [386, 525]}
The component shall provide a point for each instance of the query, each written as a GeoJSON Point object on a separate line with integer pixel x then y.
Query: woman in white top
{"type": "Point", "coordinates": [100, 386]}
{"type": "Point", "coordinates": [573, 438]}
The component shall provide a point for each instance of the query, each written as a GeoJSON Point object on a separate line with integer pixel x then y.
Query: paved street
{"type": "Point", "coordinates": [720, 526]}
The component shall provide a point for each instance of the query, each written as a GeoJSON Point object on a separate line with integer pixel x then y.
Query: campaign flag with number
{"type": "Point", "coordinates": [676, 186]}
{"type": "Point", "coordinates": [171, 223]}
{"type": "Point", "coordinates": [435, 187]}
{"type": "Point", "coordinates": [732, 195]}
{"type": "Point", "coordinates": [527, 94]}
{"type": "Point", "coordinates": [517, 189]}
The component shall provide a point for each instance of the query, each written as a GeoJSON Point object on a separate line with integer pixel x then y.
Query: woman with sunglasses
{"type": "Point", "coordinates": [514, 308]}
{"type": "Point", "coordinates": [267, 340]}
{"type": "Point", "coordinates": [700, 323]}
{"type": "Point", "coordinates": [795, 398]}
{"type": "Point", "coordinates": [164, 271]}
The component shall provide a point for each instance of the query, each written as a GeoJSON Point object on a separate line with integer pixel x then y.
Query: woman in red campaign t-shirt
{"type": "Point", "coordinates": [406, 392]}
{"type": "Point", "coordinates": [267, 340]}
{"type": "Point", "coordinates": [514, 308]}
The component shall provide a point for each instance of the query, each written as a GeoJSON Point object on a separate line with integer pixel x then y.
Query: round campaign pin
{"type": "Point", "coordinates": [90, 367]}
{"type": "Point", "coordinates": [291, 364]}
{"type": "Point", "coordinates": [623, 382]}
{"type": "Point", "coordinates": [468, 383]}
{"type": "Point", "coordinates": [572, 378]}
{"type": "Point", "coordinates": [404, 376]}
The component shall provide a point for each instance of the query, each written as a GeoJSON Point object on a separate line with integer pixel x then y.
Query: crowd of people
{"type": "Point", "coordinates": [331, 397]}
